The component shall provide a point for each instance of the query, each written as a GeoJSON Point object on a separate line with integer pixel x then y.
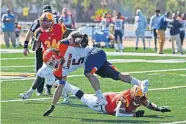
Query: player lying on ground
{"type": "Point", "coordinates": [123, 104]}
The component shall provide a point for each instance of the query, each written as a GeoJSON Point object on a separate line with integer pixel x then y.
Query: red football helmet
{"type": "Point", "coordinates": [46, 21]}
{"type": "Point", "coordinates": [51, 57]}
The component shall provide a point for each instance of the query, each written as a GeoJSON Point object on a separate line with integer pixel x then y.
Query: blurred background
{"type": "Point", "coordinates": [88, 14]}
{"type": "Point", "coordinates": [91, 10]}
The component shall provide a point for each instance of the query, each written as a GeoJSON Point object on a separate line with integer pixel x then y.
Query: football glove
{"type": "Point", "coordinates": [50, 110]}
{"type": "Point", "coordinates": [139, 113]}
{"type": "Point", "coordinates": [164, 109]}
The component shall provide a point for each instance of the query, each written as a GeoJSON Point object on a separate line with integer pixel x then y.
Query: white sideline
{"type": "Point", "coordinates": [135, 72]}
{"type": "Point", "coordinates": [176, 122]}
{"type": "Point", "coordinates": [36, 99]}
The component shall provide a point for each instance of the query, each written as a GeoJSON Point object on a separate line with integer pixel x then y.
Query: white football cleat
{"type": "Point", "coordinates": [66, 100]}
{"type": "Point", "coordinates": [65, 95]}
{"type": "Point", "coordinates": [100, 101]}
{"type": "Point", "coordinates": [38, 94]}
{"type": "Point", "coordinates": [25, 95]}
{"type": "Point", "coordinates": [144, 86]}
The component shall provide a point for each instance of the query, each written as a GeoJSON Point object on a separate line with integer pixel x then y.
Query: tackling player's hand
{"type": "Point", "coordinates": [50, 110]}
{"type": "Point", "coordinates": [139, 113]}
{"type": "Point", "coordinates": [164, 109]}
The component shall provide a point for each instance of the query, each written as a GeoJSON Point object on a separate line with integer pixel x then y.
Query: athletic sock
{"type": "Point", "coordinates": [99, 94]}
{"type": "Point", "coordinates": [30, 90]}
{"type": "Point", "coordinates": [71, 88]}
{"type": "Point", "coordinates": [135, 81]}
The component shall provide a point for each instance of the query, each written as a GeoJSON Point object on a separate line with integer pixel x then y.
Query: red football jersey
{"type": "Point", "coordinates": [111, 106]}
{"type": "Point", "coordinates": [50, 39]}
{"type": "Point", "coordinates": [113, 98]}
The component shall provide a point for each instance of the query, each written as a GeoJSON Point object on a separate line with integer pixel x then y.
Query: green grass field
{"type": "Point", "coordinates": [30, 112]}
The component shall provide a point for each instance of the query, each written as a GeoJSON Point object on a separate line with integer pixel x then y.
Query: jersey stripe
{"type": "Point", "coordinates": [62, 48]}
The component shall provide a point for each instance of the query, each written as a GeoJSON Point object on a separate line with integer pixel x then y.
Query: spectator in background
{"type": "Point", "coordinates": [161, 28]}
{"type": "Point", "coordinates": [105, 23]}
{"type": "Point", "coordinates": [73, 19]}
{"type": "Point", "coordinates": [17, 33]}
{"type": "Point", "coordinates": [140, 25]}
{"type": "Point", "coordinates": [153, 23]}
{"type": "Point", "coordinates": [118, 31]}
{"type": "Point", "coordinates": [8, 28]}
{"type": "Point", "coordinates": [174, 33]}
{"type": "Point", "coordinates": [66, 19]}
{"type": "Point", "coordinates": [181, 19]}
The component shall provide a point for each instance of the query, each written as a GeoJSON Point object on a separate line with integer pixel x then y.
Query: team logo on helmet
{"type": "Point", "coordinates": [46, 21]}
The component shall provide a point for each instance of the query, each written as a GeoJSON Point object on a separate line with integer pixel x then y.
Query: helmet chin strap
{"type": "Point", "coordinates": [135, 104]}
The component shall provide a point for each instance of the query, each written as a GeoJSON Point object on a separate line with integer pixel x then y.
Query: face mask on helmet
{"type": "Point", "coordinates": [81, 40]}
{"type": "Point", "coordinates": [138, 95]}
{"type": "Point", "coordinates": [51, 58]}
{"type": "Point", "coordinates": [46, 21]}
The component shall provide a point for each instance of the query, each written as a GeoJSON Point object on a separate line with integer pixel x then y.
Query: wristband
{"type": "Point", "coordinates": [26, 44]}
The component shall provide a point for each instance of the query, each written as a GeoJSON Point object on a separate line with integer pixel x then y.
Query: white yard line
{"type": "Point", "coordinates": [135, 72]}
{"type": "Point", "coordinates": [129, 60]}
{"type": "Point", "coordinates": [17, 66]}
{"type": "Point", "coordinates": [37, 99]}
{"type": "Point", "coordinates": [18, 58]}
{"type": "Point", "coordinates": [148, 61]}
{"type": "Point", "coordinates": [23, 100]}
{"type": "Point", "coordinates": [108, 53]}
{"type": "Point", "coordinates": [142, 54]}
{"type": "Point", "coordinates": [176, 122]}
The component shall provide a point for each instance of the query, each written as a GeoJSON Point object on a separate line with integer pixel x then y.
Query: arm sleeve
{"type": "Point", "coordinates": [35, 25]}
{"type": "Point", "coordinates": [151, 22]}
{"type": "Point", "coordinates": [145, 22]}
{"type": "Point", "coordinates": [3, 18]}
{"type": "Point", "coordinates": [13, 18]}
{"type": "Point", "coordinates": [151, 106]}
{"type": "Point", "coordinates": [167, 19]}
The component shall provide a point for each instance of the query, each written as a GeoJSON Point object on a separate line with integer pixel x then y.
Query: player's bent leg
{"type": "Point", "coordinates": [129, 79]}
{"type": "Point", "coordinates": [36, 83]}
{"type": "Point", "coordinates": [96, 85]}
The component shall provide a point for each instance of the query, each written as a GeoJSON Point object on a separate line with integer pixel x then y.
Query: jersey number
{"type": "Point", "coordinates": [74, 61]}
{"type": "Point", "coordinates": [52, 44]}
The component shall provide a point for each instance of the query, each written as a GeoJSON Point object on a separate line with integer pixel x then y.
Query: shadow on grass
{"type": "Point", "coordinates": [73, 105]}
{"type": "Point", "coordinates": [157, 116]}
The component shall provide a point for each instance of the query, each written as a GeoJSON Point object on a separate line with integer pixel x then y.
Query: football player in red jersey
{"type": "Point", "coordinates": [123, 104]}
{"type": "Point", "coordinates": [48, 35]}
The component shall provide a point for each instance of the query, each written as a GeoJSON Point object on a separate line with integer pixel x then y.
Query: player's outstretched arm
{"type": "Point", "coordinates": [155, 107]}
{"type": "Point", "coordinates": [56, 97]}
